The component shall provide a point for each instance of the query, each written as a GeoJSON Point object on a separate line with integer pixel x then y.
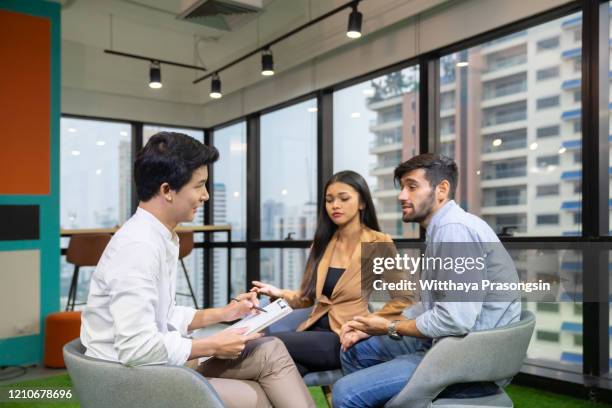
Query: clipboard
{"type": "Point", "coordinates": [259, 321]}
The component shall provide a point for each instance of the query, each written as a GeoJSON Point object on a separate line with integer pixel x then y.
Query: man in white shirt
{"type": "Point", "coordinates": [131, 315]}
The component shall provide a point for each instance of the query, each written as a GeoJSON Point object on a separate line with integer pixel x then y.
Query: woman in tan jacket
{"type": "Point", "coordinates": [332, 280]}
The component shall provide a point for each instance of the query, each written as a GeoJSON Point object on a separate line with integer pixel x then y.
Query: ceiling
{"type": "Point", "coordinates": [151, 28]}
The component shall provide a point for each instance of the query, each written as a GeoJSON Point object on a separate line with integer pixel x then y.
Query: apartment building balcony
{"type": "Point", "coordinates": [378, 169]}
{"type": "Point", "coordinates": [570, 175]}
{"type": "Point", "coordinates": [447, 112]}
{"type": "Point", "coordinates": [503, 209]}
{"type": "Point", "coordinates": [576, 144]}
{"type": "Point", "coordinates": [377, 125]}
{"type": "Point", "coordinates": [447, 84]}
{"type": "Point", "coordinates": [385, 193]}
{"type": "Point", "coordinates": [575, 83]}
{"type": "Point", "coordinates": [389, 216]}
{"type": "Point", "coordinates": [504, 98]}
{"type": "Point", "coordinates": [576, 205]}
{"type": "Point", "coordinates": [504, 72]}
{"type": "Point", "coordinates": [503, 182]}
{"type": "Point", "coordinates": [504, 154]}
{"type": "Point", "coordinates": [376, 148]}
{"type": "Point", "coordinates": [501, 64]}
{"type": "Point", "coordinates": [507, 86]}
{"type": "Point", "coordinates": [575, 52]}
{"type": "Point", "coordinates": [385, 103]}
{"type": "Point", "coordinates": [572, 23]}
{"type": "Point", "coordinates": [507, 41]}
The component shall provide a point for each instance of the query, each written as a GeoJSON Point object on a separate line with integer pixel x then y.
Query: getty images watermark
{"type": "Point", "coordinates": [479, 272]}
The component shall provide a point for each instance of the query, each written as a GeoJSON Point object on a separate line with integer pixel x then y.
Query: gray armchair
{"type": "Point", "coordinates": [103, 384]}
{"type": "Point", "coordinates": [483, 356]}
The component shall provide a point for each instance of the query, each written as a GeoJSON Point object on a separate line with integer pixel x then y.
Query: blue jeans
{"type": "Point", "coordinates": [376, 369]}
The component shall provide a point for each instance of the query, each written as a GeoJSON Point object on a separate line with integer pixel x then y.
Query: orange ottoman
{"type": "Point", "coordinates": [60, 328]}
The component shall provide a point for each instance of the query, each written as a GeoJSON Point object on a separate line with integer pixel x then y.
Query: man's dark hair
{"type": "Point", "coordinates": [169, 157]}
{"type": "Point", "coordinates": [437, 168]}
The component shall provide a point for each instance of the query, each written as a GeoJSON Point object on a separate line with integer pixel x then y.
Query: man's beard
{"type": "Point", "coordinates": [421, 213]}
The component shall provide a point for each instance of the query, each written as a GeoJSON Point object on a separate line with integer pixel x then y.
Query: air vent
{"type": "Point", "coordinates": [227, 15]}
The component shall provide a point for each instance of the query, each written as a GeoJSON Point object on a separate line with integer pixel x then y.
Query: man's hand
{"type": "Point", "coordinates": [230, 343]}
{"type": "Point", "coordinates": [373, 325]}
{"type": "Point", "coordinates": [242, 306]}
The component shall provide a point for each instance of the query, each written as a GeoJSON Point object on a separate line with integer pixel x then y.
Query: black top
{"type": "Point", "coordinates": [333, 275]}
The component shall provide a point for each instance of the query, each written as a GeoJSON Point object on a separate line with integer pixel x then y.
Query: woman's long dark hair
{"type": "Point", "coordinates": [326, 227]}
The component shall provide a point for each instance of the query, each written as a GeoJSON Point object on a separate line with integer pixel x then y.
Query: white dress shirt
{"type": "Point", "coordinates": [131, 315]}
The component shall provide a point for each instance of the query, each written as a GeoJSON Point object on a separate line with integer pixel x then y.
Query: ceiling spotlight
{"type": "Point", "coordinates": [215, 87]}
{"type": "Point", "coordinates": [354, 23]}
{"type": "Point", "coordinates": [155, 75]}
{"type": "Point", "coordinates": [267, 63]}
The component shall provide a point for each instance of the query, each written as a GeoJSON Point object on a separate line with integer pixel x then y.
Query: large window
{"type": "Point", "coordinates": [96, 173]}
{"type": "Point", "coordinates": [505, 105]}
{"type": "Point", "coordinates": [375, 129]}
{"type": "Point", "coordinates": [289, 172]}
{"type": "Point", "coordinates": [95, 188]}
{"type": "Point", "coordinates": [229, 189]}
{"type": "Point", "coordinates": [220, 278]}
{"type": "Point", "coordinates": [229, 207]}
{"type": "Point", "coordinates": [283, 267]}
{"type": "Point", "coordinates": [520, 124]}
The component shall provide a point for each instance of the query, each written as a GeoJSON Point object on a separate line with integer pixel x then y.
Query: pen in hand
{"type": "Point", "coordinates": [254, 307]}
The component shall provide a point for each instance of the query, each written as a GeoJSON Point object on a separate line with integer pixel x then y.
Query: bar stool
{"type": "Point", "coordinates": [83, 250]}
{"type": "Point", "coordinates": [185, 248]}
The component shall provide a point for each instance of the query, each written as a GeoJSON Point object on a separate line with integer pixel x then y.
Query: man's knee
{"type": "Point", "coordinates": [270, 344]}
{"type": "Point", "coordinates": [353, 355]}
{"type": "Point", "coordinates": [341, 396]}
{"type": "Point", "coordinates": [271, 351]}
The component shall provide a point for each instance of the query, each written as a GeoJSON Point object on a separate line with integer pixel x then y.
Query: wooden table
{"type": "Point", "coordinates": [205, 229]}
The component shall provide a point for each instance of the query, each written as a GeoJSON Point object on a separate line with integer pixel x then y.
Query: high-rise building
{"type": "Point", "coordinates": [219, 277]}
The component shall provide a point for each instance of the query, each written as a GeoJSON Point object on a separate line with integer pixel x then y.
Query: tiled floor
{"type": "Point", "coordinates": [32, 372]}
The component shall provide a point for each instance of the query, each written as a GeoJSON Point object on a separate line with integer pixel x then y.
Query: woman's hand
{"type": "Point", "coordinates": [266, 289]}
{"type": "Point", "coordinates": [230, 343]}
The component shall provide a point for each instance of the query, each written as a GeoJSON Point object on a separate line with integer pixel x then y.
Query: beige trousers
{"type": "Point", "coordinates": [263, 376]}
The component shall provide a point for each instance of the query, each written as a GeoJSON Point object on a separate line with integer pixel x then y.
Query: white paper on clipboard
{"type": "Point", "coordinates": [257, 322]}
